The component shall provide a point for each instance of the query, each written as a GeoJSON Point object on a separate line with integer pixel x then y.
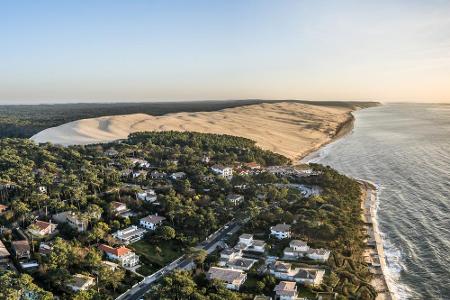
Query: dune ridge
{"type": "Point", "coordinates": [289, 128]}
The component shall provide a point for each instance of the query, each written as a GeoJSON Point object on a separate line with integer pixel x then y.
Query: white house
{"type": "Point", "coordinates": [129, 235]}
{"type": "Point", "coordinates": [151, 222]}
{"type": "Point", "coordinates": [318, 254]}
{"type": "Point", "coordinates": [233, 279]}
{"type": "Point", "coordinates": [140, 173]}
{"type": "Point", "coordinates": [296, 249]}
{"type": "Point", "coordinates": [222, 171]}
{"type": "Point", "coordinates": [42, 189]}
{"type": "Point", "coordinates": [285, 271]}
{"type": "Point", "coordinates": [246, 239]}
{"type": "Point", "coordinates": [42, 228]}
{"type": "Point", "coordinates": [158, 175]}
{"type": "Point", "coordinates": [257, 246]}
{"type": "Point", "coordinates": [241, 263]}
{"type": "Point", "coordinates": [308, 276]}
{"type": "Point", "coordinates": [286, 290]}
{"type": "Point", "coordinates": [141, 163]}
{"type": "Point", "coordinates": [246, 242]}
{"type": "Point", "coordinates": [80, 282]}
{"type": "Point", "coordinates": [178, 175]}
{"type": "Point", "coordinates": [123, 255]}
{"type": "Point", "coordinates": [118, 207]}
{"type": "Point", "coordinates": [148, 195]}
{"type": "Point", "coordinates": [235, 199]}
{"type": "Point", "coordinates": [229, 254]}
{"type": "Point", "coordinates": [281, 231]}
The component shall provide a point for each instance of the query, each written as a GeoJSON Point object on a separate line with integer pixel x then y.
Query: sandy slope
{"type": "Point", "coordinates": [291, 129]}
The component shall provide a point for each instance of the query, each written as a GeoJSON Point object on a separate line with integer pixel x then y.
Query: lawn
{"type": "Point", "coordinates": [149, 252]}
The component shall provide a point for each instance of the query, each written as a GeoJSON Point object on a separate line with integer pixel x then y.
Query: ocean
{"type": "Point", "coordinates": [405, 150]}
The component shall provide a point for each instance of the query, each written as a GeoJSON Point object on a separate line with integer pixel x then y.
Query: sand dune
{"type": "Point", "coordinates": [289, 128]}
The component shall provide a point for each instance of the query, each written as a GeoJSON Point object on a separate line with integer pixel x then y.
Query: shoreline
{"type": "Point", "coordinates": [374, 252]}
{"type": "Point", "coordinates": [343, 130]}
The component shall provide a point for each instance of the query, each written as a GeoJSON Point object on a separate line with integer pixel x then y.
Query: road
{"type": "Point", "coordinates": [209, 245]}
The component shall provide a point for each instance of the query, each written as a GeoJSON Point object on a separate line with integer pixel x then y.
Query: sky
{"type": "Point", "coordinates": [93, 51]}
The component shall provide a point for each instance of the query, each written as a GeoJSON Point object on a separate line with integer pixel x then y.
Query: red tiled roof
{"type": "Point", "coordinates": [122, 250]}
{"type": "Point", "coordinates": [42, 225]}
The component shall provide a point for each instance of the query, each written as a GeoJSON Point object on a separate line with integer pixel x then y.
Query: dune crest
{"type": "Point", "coordinates": [289, 128]}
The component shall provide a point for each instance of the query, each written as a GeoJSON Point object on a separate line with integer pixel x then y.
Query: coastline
{"type": "Point", "coordinates": [342, 130]}
{"type": "Point", "coordinates": [374, 254]}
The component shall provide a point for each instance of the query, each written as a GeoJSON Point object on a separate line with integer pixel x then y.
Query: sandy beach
{"type": "Point", "coordinates": [289, 128]}
{"type": "Point", "coordinates": [374, 252]}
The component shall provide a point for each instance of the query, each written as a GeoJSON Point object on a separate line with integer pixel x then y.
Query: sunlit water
{"type": "Point", "coordinates": [405, 150]}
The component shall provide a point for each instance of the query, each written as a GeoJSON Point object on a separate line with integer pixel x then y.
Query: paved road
{"type": "Point", "coordinates": [209, 245]}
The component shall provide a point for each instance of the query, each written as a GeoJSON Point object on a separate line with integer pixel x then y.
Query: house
{"type": "Point", "coordinates": [109, 265]}
{"type": "Point", "coordinates": [42, 189]}
{"type": "Point", "coordinates": [111, 152]}
{"type": "Point", "coordinates": [252, 166]}
{"type": "Point", "coordinates": [206, 159]}
{"type": "Point", "coordinates": [80, 282]}
{"type": "Point", "coordinates": [126, 172]}
{"type": "Point", "coordinates": [307, 276]}
{"type": "Point", "coordinates": [229, 254]}
{"type": "Point", "coordinates": [235, 199]}
{"type": "Point", "coordinates": [178, 175]}
{"type": "Point", "coordinates": [233, 279]}
{"type": "Point", "coordinates": [141, 163]}
{"type": "Point", "coordinates": [283, 271]}
{"type": "Point", "coordinates": [296, 249]}
{"type": "Point", "coordinates": [21, 249]}
{"type": "Point", "coordinates": [45, 248]}
{"type": "Point", "coordinates": [318, 254]}
{"type": "Point", "coordinates": [247, 243]}
{"type": "Point", "coordinates": [221, 171]}
{"type": "Point", "coordinates": [257, 246]}
{"type": "Point", "coordinates": [281, 231]}
{"type": "Point", "coordinates": [3, 208]}
{"type": "Point", "coordinates": [4, 253]}
{"type": "Point", "coordinates": [151, 221]}
{"type": "Point", "coordinates": [246, 239]}
{"type": "Point", "coordinates": [139, 174]}
{"type": "Point", "coordinates": [148, 195]}
{"type": "Point", "coordinates": [122, 254]}
{"type": "Point", "coordinates": [73, 219]}
{"type": "Point", "coordinates": [42, 228]}
{"type": "Point", "coordinates": [118, 207]}
{"type": "Point", "coordinates": [241, 263]}
{"type": "Point", "coordinates": [158, 175]}
{"type": "Point", "coordinates": [286, 290]}
{"type": "Point", "coordinates": [129, 235]}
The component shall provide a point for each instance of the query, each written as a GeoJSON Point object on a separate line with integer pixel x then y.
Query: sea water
{"type": "Point", "coordinates": [405, 150]}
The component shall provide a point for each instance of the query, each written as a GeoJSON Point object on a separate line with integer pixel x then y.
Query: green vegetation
{"type": "Point", "coordinates": [157, 254]}
{"type": "Point", "coordinates": [86, 180]}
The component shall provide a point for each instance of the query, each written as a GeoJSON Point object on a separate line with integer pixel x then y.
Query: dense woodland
{"type": "Point", "coordinates": [86, 179]}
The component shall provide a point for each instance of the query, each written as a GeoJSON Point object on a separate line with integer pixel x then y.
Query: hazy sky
{"type": "Point", "coordinates": [59, 51]}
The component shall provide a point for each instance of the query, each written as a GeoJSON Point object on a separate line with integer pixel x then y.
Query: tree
{"type": "Point", "coordinates": [166, 233]}
{"type": "Point", "coordinates": [110, 278]}
{"type": "Point", "coordinates": [177, 286]}
{"type": "Point", "coordinates": [20, 286]}
{"type": "Point", "coordinates": [198, 256]}
{"type": "Point", "coordinates": [98, 232]}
